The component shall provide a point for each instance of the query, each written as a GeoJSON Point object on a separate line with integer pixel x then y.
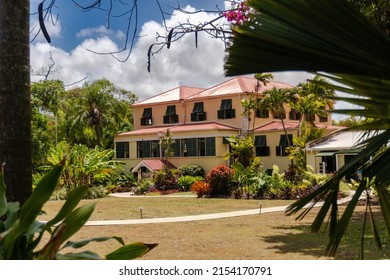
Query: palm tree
{"type": "Point", "coordinates": [274, 101]}
{"type": "Point", "coordinates": [332, 38]}
{"type": "Point", "coordinates": [99, 108]}
{"type": "Point", "coordinates": [251, 105]}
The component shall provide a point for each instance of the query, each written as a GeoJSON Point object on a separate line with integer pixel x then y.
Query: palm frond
{"type": "Point", "coordinates": [309, 35]}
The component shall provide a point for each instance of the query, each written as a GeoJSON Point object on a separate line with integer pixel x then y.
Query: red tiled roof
{"type": "Point", "coordinates": [289, 125]}
{"type": "Point", "coordinates": [179, 128]}
{"type": "Point", "coordinates": [153, 164]}
{"type": "Point", "coordinates": [239, 85]}
{"type": "Point", "coordinates": [176, 94]}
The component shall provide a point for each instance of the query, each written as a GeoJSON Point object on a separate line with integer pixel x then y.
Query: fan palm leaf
{"type": "Point", "coordinates": [328, 37]}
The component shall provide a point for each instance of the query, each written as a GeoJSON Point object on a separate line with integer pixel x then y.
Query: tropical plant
{"type": "Point", "coordinates": [251, 105]}
{"type": "Point", "coordinates": [200, 188]}
{"type": "Point", "coordinates": [166, 180]}
{"type": "Point", "coordinates": [85, 166]}
{"type": "Point", "coordinates": [220, 181]}
{"type": "Point", "coordinates": [166, 144]}
{"type": "Point", "coordinates": [274, 100]}
{"type": "Point", "coordinates": [192, 170]}
{"type": "Point", "coordinates": [185, 182]}
{"type": "Point", "coordinates": [250, 182]}
{"type": "Point", "coordinates": [327, 36]}
{"type": "Point", "coordinates": [241, 149]}
{"type": "Point", "coordinates": [22, 233]}
{"type": "Point", "coordinates": [297, 152]}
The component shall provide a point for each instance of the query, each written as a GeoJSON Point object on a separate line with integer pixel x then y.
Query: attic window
{"type": "Point", "coordinates": [226, 104]}
{"type": "Point", "coordinates": [147, 113]}
{"type": "Point", "coordinates": [171, 110]}
{"type": "Point", "coordinates": [146, 118]}
{"type": "Point", "coordinates": [198, 107]}
{"type": "Point", "coordinates": [170, 115]}
{"type": "Point", "coordinates": [226, 111]}
{"type": "Point", "coordinates": [197, 112]}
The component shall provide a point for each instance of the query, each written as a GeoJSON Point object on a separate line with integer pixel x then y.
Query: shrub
{"type": "Point", "coordinates": [96, 192]}
{"type": "Point", "coordinates": [144, 186]}
{"type": "Point", "coordinates": [220, 180]}
{"type": "Point", "coordinates": [192, 170]}
{"type": "Point", "coordinates": [165, 180]}
{"type": "Point", "coordinates": [200, 188]}
{"type": "Point", "coordinates": [185, 182]}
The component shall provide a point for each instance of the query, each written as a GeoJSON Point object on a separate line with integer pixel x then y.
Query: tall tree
{"type": "Point", "coordinates": [15, 110]}
{"type": "Point", "coordinates": [251, 105]}
{"type": "Point", "coordinates": [105, 109]}
{"type": "Point", "coordinates": [274, 100]}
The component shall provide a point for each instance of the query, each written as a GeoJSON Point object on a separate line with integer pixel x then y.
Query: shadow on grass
{"type": "Point", "coordinates": [300, 239]}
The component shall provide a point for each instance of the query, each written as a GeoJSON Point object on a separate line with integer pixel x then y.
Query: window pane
{"type": "Point", "coordinates": [192, 147]}
{"type": "Point", "coordinates": [260, 141]}
{"type": "Point", "coordinates": [201, 147]}
{"type": "Point", "coordinates": [171, 110]}
{"type": "Point", "coordinates": [283, 140]}
{"type": "Point", "coordinates": [210, 146]}
{"type": "Point", "coordinates": [155, 149]}
{"type": "Point", "coordinates": [226, 104]}
{"type": "Point", "coordinates": [147, 113]}
{"type": "Point", "coordinates": [122, 149]}
{"type": "Point", "coordinates": [143, 149]}
{"type": "Point", "coordinates": [198, 107]}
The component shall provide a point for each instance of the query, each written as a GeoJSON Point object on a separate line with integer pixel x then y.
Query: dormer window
{"type": "Point", "coordinates": [226, 111]}
{"type": "Point", "coordinates": [294, 115]}
{"type": "Point", "coordinates": [262, 113]}
{"type": "Point", "coordinates": [170, 115]}
{"type": "Point", "coordinates": [146, 118]}
{"type": "Point", "coordinates": [198, 113]}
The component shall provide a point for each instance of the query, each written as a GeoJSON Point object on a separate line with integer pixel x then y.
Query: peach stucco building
{"type": "Point", "coordinates": [201, 120]}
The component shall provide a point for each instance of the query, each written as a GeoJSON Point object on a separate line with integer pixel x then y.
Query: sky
{"type": "Point", "coordinates": [75, 33]}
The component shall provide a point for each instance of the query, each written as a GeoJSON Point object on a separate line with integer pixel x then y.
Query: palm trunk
{"type": "Point", "coordinates": [15, 103]}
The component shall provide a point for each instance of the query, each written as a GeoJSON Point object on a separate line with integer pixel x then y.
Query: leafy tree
{"type": "Point", "coordinates": [350, 121]}
{"type": "Point", "coordinates": [99, 109]}
{"type": "Point", "coordinates": [327, 36]}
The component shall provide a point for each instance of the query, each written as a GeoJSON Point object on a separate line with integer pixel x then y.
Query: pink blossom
{"type": "Point", "coordinates": [239, 12]}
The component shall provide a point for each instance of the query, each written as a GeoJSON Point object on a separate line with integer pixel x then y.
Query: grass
{"type": "Point", "coordinates": [266, 236]}
{"type": "Point", "coordinates": [118, 208]}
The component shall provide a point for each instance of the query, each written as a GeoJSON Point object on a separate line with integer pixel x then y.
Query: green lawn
{"type": "Point", "coordinates": [266, 236]}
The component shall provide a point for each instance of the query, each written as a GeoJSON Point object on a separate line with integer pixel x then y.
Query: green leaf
{"type": "Point", "coordinates": [70, 204]}
{"type": "Point", "coordinates": [85, 255]}
{"type": "Point", "coordinates": [76, 220]}
{"type": "Point", "coordinates": [130, 251]}
{"type": "Point", "coordinates": [309, 35]}
{"type": "Point", "coordinates": [41, 194]}
{"type": "Point", "coordinates": [79, 244]}
{"type": "Point", "coordinates": [3, 198]}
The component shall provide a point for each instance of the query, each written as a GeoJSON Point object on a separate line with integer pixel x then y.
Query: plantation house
{"type": "Point", "coordinates": [200, 121]}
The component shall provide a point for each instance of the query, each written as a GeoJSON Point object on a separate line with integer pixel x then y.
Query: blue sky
{"type": "Point", "coordinates": [76, 32]}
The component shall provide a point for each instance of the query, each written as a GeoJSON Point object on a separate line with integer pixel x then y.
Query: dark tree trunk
{"type": "Point", "coordinates": [15, 107]}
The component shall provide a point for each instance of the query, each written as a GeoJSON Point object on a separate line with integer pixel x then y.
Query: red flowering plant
{"type": "Point", "coordinates": [220, 180]}
{"type": "Point", "coordinates": [238, 13]}
{"type": "Point", "coordinates": [200, 188]}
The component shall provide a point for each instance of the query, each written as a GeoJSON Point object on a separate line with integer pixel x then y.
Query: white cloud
{"type": "Point", "coordinates": [182, 64]}
{"type": "Point", "coordinates": [100, 31]}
